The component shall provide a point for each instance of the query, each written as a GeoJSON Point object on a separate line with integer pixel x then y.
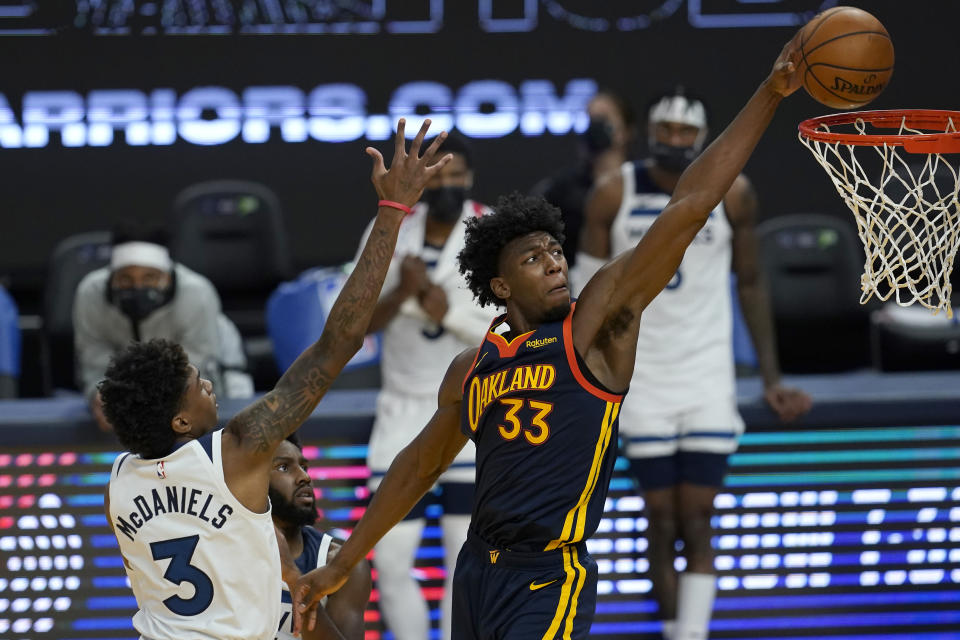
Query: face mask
{"type": "Point", "coordinates": [670, 158]}
{"type": "Point", "coordinates": [137, 304]}
{"type": "Point", "coordinates": [598, 137]}
{"type": "Point", "coordinates": [446, 203]}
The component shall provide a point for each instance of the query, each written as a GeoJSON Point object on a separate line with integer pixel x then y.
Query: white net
{"type": "Point", "coordinates": [907, 213]}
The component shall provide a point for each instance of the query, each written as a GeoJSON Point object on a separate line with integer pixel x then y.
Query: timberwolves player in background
{"type": "Point", "coordinates": [680, 421]}
{"type": "Point", "coordinates": [303, 547]}
{"type": "Point", "coordinates": [189, 504]}
{"type": "Point", "coordinates": [541, 398]}
{"type": "Point", "coordinates": [427, 316]}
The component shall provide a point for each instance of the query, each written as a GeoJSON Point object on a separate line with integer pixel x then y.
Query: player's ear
{"type": "Point", "coordinates": [180, 424]}
{"type": "Point", "coordinates": [500, 288]}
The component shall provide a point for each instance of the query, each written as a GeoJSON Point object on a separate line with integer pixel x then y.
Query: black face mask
{"type": "Point", "coordinates": [671, 158]}
{"type": "Point", "coordinates": [137, 304]}
{"type": "Point", "coordinates": [446, 203]}
{"type": "Point", "coordinates": [598, 137]}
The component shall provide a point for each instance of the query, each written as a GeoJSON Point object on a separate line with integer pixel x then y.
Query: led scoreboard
{"type": "Point", "coordinates": [849, 533]}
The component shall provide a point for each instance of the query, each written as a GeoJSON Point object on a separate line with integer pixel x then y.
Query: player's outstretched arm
{"type": "Point", "coordinates": [415, 469]}
{"type": "Point", "coordinates": [254, 433]}
{"type": "Point", "coordinates": [610, 305]}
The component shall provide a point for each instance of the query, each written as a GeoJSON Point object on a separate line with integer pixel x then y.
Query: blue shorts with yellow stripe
{"type": "Point", "coordinates": [508, 595]}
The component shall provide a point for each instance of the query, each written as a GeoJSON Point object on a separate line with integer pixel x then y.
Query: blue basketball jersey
{"type": "Point", "coordinates": [546, 436]}
{"type": "Point", "coordinates": [316, 545]}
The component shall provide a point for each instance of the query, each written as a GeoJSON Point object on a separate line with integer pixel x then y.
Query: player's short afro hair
{"type": "Point", "coordinates": [141, 394]}
{"type": "Point", "coordinates": [513, 216]}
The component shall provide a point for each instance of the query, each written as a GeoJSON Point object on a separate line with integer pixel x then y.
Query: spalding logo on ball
{"type": "Point", "coordinates": [846, 57]}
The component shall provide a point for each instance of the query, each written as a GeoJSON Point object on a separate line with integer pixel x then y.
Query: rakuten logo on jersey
{"type": "Point", "coordinates": [328, 113]}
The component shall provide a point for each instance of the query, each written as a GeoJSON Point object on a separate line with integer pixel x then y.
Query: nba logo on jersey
{"type": "Point", "coordinates": [160, 470]}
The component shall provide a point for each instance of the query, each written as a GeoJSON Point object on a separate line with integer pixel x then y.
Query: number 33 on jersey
{"type": "Point", "coordinates": [539, 420]}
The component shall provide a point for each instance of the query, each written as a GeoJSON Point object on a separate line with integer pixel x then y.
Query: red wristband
{"type": "Point", "coordinates": [395, 205]}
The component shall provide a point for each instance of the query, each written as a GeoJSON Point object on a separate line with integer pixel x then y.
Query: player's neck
{"type": "Point", "coordinates": [518, 323]}
{"type": "Point", "coordinates": [294, 537]}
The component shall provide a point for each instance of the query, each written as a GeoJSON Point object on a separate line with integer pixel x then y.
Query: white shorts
{"type": "Point", "coordinates": [400, 417]}
{"type": "Point", "coordinates": [713, 426]}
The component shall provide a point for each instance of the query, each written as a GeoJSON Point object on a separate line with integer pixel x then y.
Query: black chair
{"type": "Point", "coordinates": [813, 264]}
{"type": "Point", "coordinates": [232, 232]}
{"type": "Point", "coordinates": [899, 346]}
{"type": "Point", "coordinates": [71, 260]}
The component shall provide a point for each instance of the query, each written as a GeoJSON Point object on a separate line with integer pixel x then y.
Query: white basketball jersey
{"type": "Point", "coordinates": [417, 352]}
{"type": "Point", "coordinates": [201, 565]}
{"type": "Point", "coordinates": [316, 545]}
{"type": "Point", "coordinates": [685, 349]}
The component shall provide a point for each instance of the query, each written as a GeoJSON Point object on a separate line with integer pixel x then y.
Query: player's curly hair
{"type": "Point", "coordinates": [514, 215]}
{"type": "Point", "coordinates": [142, 392]}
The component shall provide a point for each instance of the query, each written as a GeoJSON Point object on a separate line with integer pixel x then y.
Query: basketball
{"type": "Point", "coordinates": [847, 57]}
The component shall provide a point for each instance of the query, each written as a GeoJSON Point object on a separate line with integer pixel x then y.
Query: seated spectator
{"type": "Point", "coordinates": [142, 295]}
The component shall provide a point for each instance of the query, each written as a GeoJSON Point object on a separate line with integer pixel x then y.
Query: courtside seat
{"type": "Point", "coordinates": [71, 260]}
{"type": "Point", "coordinates": [913, 339]}
{"type": "Point", "coordinates": [813, 264]}
{"type": "Point", "coordinates": [232, 232]}
{"type": "Point", "coordinates": [296, 313]}
{"type": "Point", "coordinates": [9, 345]}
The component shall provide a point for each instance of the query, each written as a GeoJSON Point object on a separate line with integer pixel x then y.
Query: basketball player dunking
{"type": "Point", "coordinates": [680, 422]}
{"type": "Point", "coordinates": [541, 401]}
{"type": "Point", "coordinates": [189, 504]}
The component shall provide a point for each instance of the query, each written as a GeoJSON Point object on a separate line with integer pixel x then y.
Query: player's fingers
{"type": "Point", "coordinates": [297, 617]}
{"type": "Point", "coordinates": [418, 140]}
{"type": "Point", "coordinates": [399, 141]}
{"type": "Point", "coordinates": [378, 167]}
{"type": "Point", "coordinates": [439, 164]}
{"type": "Point", "coordinates": [312, 622]}
{"type": "Point", "coordinates": [432, 149]}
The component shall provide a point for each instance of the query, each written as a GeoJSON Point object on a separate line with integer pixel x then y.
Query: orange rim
{"type": "Point", "coordinates": [890, 119]}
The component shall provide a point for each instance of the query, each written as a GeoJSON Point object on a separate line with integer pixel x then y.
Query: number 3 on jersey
{"type": "Point", "coordinates": [538, 432]}
{"type": "Point", "coordinates": [180, 551]}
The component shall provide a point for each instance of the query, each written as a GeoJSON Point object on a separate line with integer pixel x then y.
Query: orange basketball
{"type": "Point", "coordinates": [847, 57]}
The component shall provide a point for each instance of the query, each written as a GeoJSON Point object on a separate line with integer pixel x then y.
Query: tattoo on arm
{"type": "Point", "coordinates": [283, 410]}
{"type": "Point", "coordinates": [279, 413]}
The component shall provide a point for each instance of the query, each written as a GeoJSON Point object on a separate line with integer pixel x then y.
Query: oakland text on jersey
{"type": "Point", "coordinates": [486, 389]}
{"type": "Point", "coordinates": [173, 499]}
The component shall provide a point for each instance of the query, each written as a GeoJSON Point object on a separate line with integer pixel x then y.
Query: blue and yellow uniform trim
{"type": "Point", "coordinates": [546, 436]}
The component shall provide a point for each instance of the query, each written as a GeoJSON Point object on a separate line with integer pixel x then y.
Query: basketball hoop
{"type": "Point", "coordinates": [903, 194]}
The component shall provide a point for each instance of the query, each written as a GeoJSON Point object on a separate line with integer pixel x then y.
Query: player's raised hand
{"type": "Point", "coordinates": [784, 78]}
{"type": "Point", "coordinates": [409, 171]}
{"type": "Point", "coordinates": [310, 589]}
{"type": "Point", "coordinates": [789, 404]}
